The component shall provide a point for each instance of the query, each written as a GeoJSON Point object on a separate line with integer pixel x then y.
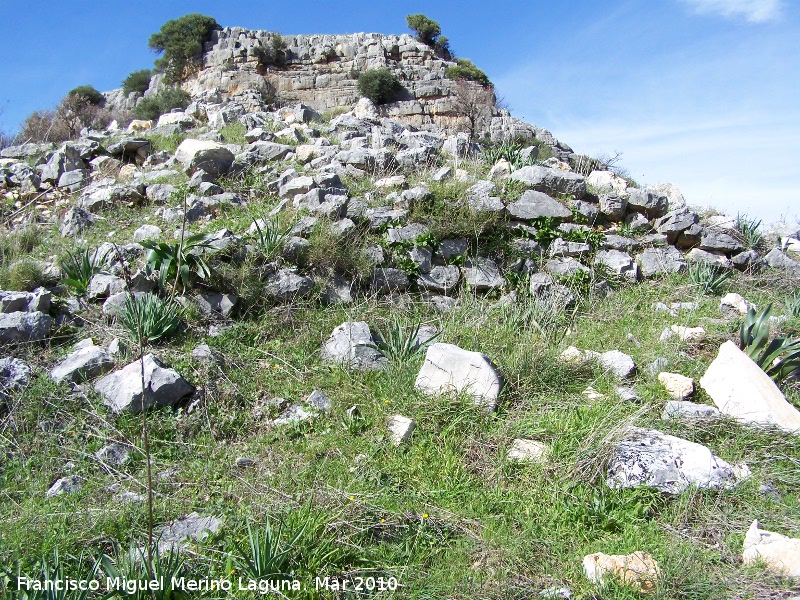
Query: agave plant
{"type": "Point", "coordinates": [778, 358]}
{"type": "Point", "coordinates": [148, 317]}
{"type": "Point", "coordinates": [79, 268]}
{"type": "Point", "coordinates": [269, 237]}
{"type": "Point", "coordinates": [749, 230]}
{"type": "Point", "coordinates": [180, 261]}
{"type": "Point", "coordinates": [708, 278]}
{"type": "Point", "coordinates": [132, 566]}
{"type": "Point", "coordinates": [510, 152]}
{"type": "Point", "coordinates": [400, 345]}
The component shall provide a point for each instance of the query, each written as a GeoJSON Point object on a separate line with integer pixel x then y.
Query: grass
{"type": "Point", "coordinates": [445, 514]}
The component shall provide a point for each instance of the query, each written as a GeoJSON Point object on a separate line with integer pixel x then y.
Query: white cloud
{"type": "Point", "coordinates": [754, 11]}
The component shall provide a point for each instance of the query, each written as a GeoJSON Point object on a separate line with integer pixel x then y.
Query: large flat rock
{"type": "Point", "coordinates": [740, 389]}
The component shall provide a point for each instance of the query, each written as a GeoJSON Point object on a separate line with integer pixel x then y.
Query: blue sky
{"type": "Point", "coordinates": [701, 93]}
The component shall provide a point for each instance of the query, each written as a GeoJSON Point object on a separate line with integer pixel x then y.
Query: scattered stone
{"type": "Point", "coordinates": [243, 462]}
{"type": "Point", "coordinates": [780, 554]}
{"type": "Point", "coordinates": [733, 305]}
{"type": "Point", "coordinates": [681, 409]}
{"type": "Point", "coordinates": [678, 386]}
{"type": "Point", "coordinates": [386, 280]}
{"type": "Point", "coordinates": [113, 454]}
{"type": "Point", "coordinates": [85, 362]}
{"type": "Point", "coordinates": [211, 157]}
{"type": "Point", "coordinates": [286, 285]}
{"type": "Point", "coordinates": [448, 368]}
{"type": "Point", "coordinates": [147, 232]}
{"type": "Point", "coordinates": [122, 389]}
{"type": "Point", "coordinates": [778, 260]}
{"type": "Point", "coordinates": [441, 279]}
{"type": "Point", "coordinates": [592, 394]}
{"type": "Point", "coordinates": [351, 345]}
{"type": "Point", "coordinates": [552, 181]}
{"type": "Point", "coordinates": [618, 363]}
{"type": "Point", "coordinates": [216, 305]}
{"type": "Point", "coordinates": [15, 374]}
{"type": "Point", "coordinates": [638, 570]}
{"type": "Point", "coordinates": [533, 205]}
{"type": "Point", "coordinates": [628, 394]}
{"type": "Point", "coordinates": [685, 334]}
{"type": "Point", "coordinates": [658, 261]}
{"type": "Point", "coordinates": [24, 327]}
{"type": "Point", "coordinates": [647, 201]}
{"type": "Point", "coordinates": [619, 263]}
{"type": "Point", "coordinates": [191, 528]}
{"type": "Point", "coordinates": [742, 390]}
{"type": "Point", "coordinates": [613, 206]}
{"type": "Point", "coordinates": [668, 463]}
{"type": "Point", "coordinates": [528, 451]}
{"type": "Point", "coordinates": [319, 401]}
{"type": "Point", "coordinates": [65, 485]}
{"type": "Point", "coordinates": [482, 275]}
{"type": "Point", "coordinates": [400, 429]}
{"type": "Point", "coordinates": [206, 354]}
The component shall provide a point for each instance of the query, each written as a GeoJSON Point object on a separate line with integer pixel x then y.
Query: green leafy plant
{"type": "Point", "coordinates": [269, 551]}
{"type": "Point", "coordinates": [778, 358]}
{"type": "Point", "coordinates": [584, 235]}
{"type": "Point", "coordinates": [137, 81]}
{"type": "Point", "coordinates": [132, 566]}
{"type": "Point", "coordinates": [49, 575]}
{"type": "Point", "coordinates": [79, 268]}
{"type": "Point", "coordinates": [148, 317]}
{"type": "Point", "coordinates": [400, 345]}
{"type": "Point", "coordinates": [466, 69]}
{"type": "Point", "coordinates": [89, 94]}
{"type": "Point", "coordinates": [793, 305]}
{"type": "Point", "coordinates": [181, 42]}
{"type": "Point", "coordinates": [182, 260]}
{"type": "Point", "coordinates": [269, 237]}
{"type": "Point", "coordinates": [708, 278]}
{"type": "Point", "coordinates": [545, 229]}
{"type": "Point", "coordinates": [428, 31]}
{"type": "Point", "coordinates": [749, 231]}
{"type": "Point", "coordinates": [151, 107]}
{"type": "Point", "coordinates": [379, 85]}
{"type": "Point", "coordinates": [507, 151]}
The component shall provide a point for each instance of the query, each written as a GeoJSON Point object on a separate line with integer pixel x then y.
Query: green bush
{"type": "Point", "coordinates": [466, 69]}
{"type": "Point", "coordinates": [152, 107]}
{"type": "Point", "coordinates": [91, 95]}
{"type": "Point", "coordinates": [148, 317]}
{"type": "Point", "coordinates": [379, 85]}
{"type": "Point", "coordinates": [427, 30]}
{"type": "Point", "coordinates": [181, 41]}
{"type": "Point", "coordinates": [778, 358]}
{"type": "Point", "coordinates": [138, 81]}
{"type": "Point", "coordinates": [274, 54]}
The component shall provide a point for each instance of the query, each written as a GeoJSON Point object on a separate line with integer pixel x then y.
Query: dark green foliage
{"type": "Point", "coordinates": [708, 278]}
{"type": "Point", "coordinates": [273, 54]}
{"type": "Point", "coordinates": [150, 318]}
{"type": "Point", "coordinates": [466, 69]}
{"type": "Point", "coordinates": [49, 575]}
{"type": "Point", "coordinates": [753, 339]}
{"type": "Point", "coordinates": [138, 81]}
{"type": "Point", "coordinates": [269, 237]}
{"type": "Point", "coordinates": [379, 85]}
{"type": "Point", "coordinates": [131, 565]}
{"type": "Point", "coordinates": [89, 93]}
{"type": "Point", "coordinates": [182, 261]}
{"type": "Point", "coordinates": [508, 151]}
{"type": "Point", "coordinates": [181, 42]}
{"type": "Point", "coordinates": [152, 107]}
{"type": "Point", "coordinates": [749, 231]}
{"type": "Point", "coordinates": [79, 268]}
{"type": "Point", "coordinates": [426, 30]}
{"type": "Point", "coordinates": [400, 345]}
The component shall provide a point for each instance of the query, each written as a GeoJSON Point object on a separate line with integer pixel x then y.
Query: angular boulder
{"type": "Point", "coordinates": [448, 368]}
{"type": "Point", "coordinates": [533, 205]}
{"type": "Point", "coordinates": [742, 390]}
{"type": "Point", "coordinates": [351, 344]}
{"type": "Point", "coordinates": [657, 261]}
{"type": "Point", "coordinates": [668, 463]}
{"type": "Point", "coordinates": [552, 181]}
{"type": "Point", "coordinates": [122, 390]}
{"type": "Point", "coordinates": [84, 363]}
{"type": "Point", "coordinates": [24, 327]}
{"type": "Point", "coordinates": [211, 157]}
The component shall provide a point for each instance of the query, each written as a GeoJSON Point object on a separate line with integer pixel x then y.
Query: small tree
{"type": "Point", "coordinates": [181, 41]}
{"type": "Point", "coordinates": [87, 93]}
{"type": "Point", "coordinates": [429, 32]}
{"type": "Point", "coordinates": [138, 81]}
{"type": "Point", "coordinates": [379, 85]}
{"type": "Point", "coordinates": [474, 103]}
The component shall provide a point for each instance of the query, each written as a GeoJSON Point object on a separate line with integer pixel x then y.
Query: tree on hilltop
{"type": "Point", "coordinates": [181, 41]}
{"type": "Point", "coordinates": [429, 32]}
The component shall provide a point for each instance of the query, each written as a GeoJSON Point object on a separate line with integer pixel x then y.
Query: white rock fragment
{"type": "Point", "coordinates": [678, 386]}
{"type": "Point", "coordinates": [742, 390]}
{"type": "Point", "coordinates": [400, 429]}
{"type": "Point", "coordinates": [780, 554]}
{"type": "Point", "coordinates": [529, 451]}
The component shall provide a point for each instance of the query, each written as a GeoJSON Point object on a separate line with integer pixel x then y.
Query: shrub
{"type": "Point", "coordinates": [73, 113]}
{"type": "Point", "coordinates": [138, 81]}
{"type": "Point", "coordinates": [148, 317]}
{"type": "Point", "coordinates": [181, 41]}
{"type": "Point", "coordinates": [273, 54]}
{"type": "Point", "coordinates": [152, 107]}
{"type": "Point", "coordinates": [466, 69]}
{"type": "Point", "coordinates": [90, 94]}
{"type": "Point", "coordinates": [379, 85]}
{"type": "Point", "coordinates": [778, 358]}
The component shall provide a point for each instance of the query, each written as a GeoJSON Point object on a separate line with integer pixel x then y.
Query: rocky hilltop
{"type": "Point", "coordinates": [487, 359]}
